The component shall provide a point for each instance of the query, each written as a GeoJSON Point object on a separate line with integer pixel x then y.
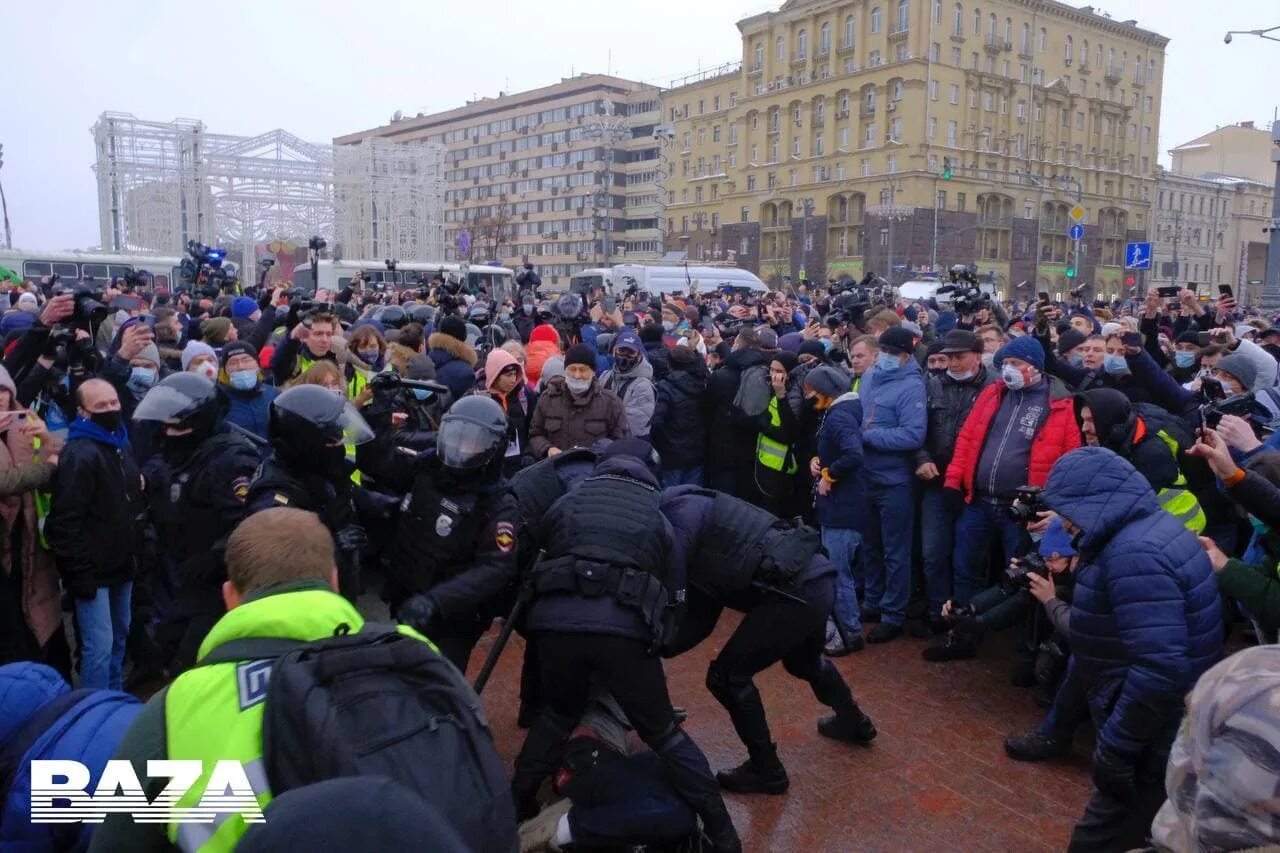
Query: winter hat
{"type": "Point", "coordinates": [194, 350]}
{"type": "Point", "coordinates": [628, 339]}
{"type": "Point", "coordinates": [149, 353]}
{"type": "Point", "coordinates": [786, 359]}
{"type": "Point", "coordinates": [243, 306]}
{"type": "Point", "coordinates": [1241, 368]}
{"type": "Point", "coordinates": [13, 321]}
{"type": "Point", "coordinates": [1241, 329]}
{"type": "Point", "coordinates": [723, 350]}
{"type": "Point", "coordinates": [1027, 349]}
{"type": "Point", "coordinates": [652, 333]}
{"type": "Point", "coordinates": [910, 313]}
{"type": "Point", "coordinates": [896, 340]}
{"type": "Point", "coordinates": [1191, 337]}
{"type": "Point", "coordinates": [454, 327]}
{"type": "Point", "coordinates": [790, 342]}
{"type": "Point", "coordinates": [1109, 329]}
{"type": "Point", "coordinates": [946, 321]}
{"type": "Point", "coordinates": [580, 354]}
{"type": "Point", "coordinates": [497, 361]}
{"type": "Point", "coordinates": [215, 329]}
{"type": "Point", "coordinates": [421, 367]}
{"type": "Point", "coordinates": [935, 347]}
{"type": "Point", "coordinates": [768, 337]}
{"type": "Point", "coordinates": [1056, 541]}
{"type": "Point", "coordinates": [913, 329]}
{"type": "Point", "coordinates": [27, 302]}
{"type": "Point", "coordinates": [1069, 340]}
{"type": "Point", "coordinates": [683, 355]}
{"type": "Point", "coordinates": [814, 348]}
{"type": "Point", "coordinates": [828, 381]}
{"type": "Point", "coordinates": [545, 333]}
{"type": "Point", "coordinates": [238, 348]}
{"type": "Point", "coordinates": [961, 340]}
{"type": "Point", "coordinates": [551, 368]}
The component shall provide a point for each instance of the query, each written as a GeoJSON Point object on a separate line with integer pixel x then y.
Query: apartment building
{"type": "Point", "coordinates": [1241, 149]}
{"type": "Point", "coordinates": [565, 176]}
{"type": "Point", "coordinates": [899, 135]}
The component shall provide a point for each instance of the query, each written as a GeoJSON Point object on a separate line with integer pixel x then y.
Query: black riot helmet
{"type": "Point", "coordinates": [391, 316]}
{"type": "Point", "coordinates": [184, 400]}
{"type": "Point", "coordinates": [421, 314]}
{"type": "Point", "coordinates": [310, 425]}
{"type": "Point", "coordinates": [472, 436]}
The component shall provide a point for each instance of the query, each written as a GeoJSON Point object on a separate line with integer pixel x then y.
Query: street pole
{"type": "Point", "coordinates": [1271, 285]}
{"type": "Point", "coordinates": [1177, 235]}
{"type": "Point", "coordinates": [4, 205]}
{"type": "Point", "coordinates": [933, 261]}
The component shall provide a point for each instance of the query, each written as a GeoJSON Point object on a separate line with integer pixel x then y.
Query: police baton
{"type": "Point", "coordinates": [522, 600]}
{"type": "Point", "coordinates": [763, 587]}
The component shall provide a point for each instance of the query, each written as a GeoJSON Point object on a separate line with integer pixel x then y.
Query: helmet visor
{"type": "Point", "coordinates": [355, 430]}
{"type": "Point", "coordinates": [465, 444]}
{"type": "Point", "coordinates": [165, 403]}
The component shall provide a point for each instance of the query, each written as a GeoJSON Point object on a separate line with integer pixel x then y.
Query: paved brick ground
{"type": "Point", "coordinates": [935, 779]}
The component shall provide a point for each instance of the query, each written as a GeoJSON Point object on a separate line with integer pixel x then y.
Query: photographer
{"type": "Point", "coordinates": [400, 416]}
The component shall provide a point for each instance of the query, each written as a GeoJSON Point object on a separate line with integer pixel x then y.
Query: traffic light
{"type": "Point", "coordinates": [946, 168]}
{"type": "Point", "coordinates": [1129, 282]}
{"type": "Point", "coordinates": [1071, 272]}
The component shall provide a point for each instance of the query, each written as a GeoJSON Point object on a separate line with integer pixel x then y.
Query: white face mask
{"type": "Point", "coordinates": [989, 359]}
{"type": "Point", "coordinates": [1012, 377]}
{"type": "Point", "coordinates": [577, 386]}
{"type": "Point", "coordinates": [207, 370]}
{"type": "Point", "coordinates": [960, 377]}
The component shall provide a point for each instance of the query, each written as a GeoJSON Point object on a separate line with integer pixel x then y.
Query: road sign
{"type": "Point", "coordinates": [1137, 256]}
{"type": "Point", "coordinates": [464, 242]}
{"type": "Point", "coordinates": [1076, 232]}
{"type": "Point", "coordinates": [1076, 213]}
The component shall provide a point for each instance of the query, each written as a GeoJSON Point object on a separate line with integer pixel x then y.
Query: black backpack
{"type": "Point", "coordinates": [380, 703]}
{"type": "Point", "coordinates": [754, 391]}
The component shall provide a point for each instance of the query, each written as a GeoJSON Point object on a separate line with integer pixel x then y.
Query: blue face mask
{"type": "Point", "coordinates": [887, 363]}
{"type": "Point", "coordinates": [141, 378]}
{"type": "Point", "coordinates": [1184, 358]}
{"type": "Point", "coordinates": [826, 344]}
{"type": "Point", "coordinates": [1115, 364]}
{"type": "Point", "coordinates": [1076, 359]}
{"type": "Point", "coordinates": [422, 393]}
{"type": "Point", "coordinates": [244, 380]}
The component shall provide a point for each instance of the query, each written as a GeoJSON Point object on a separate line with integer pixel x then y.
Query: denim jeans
{"type": "Point", "coordinates": [890, 525]}
{"type": "Point", "coordinates": [672, 477]}
{"type": "Point", "coordinates": [104, 627]}
{"type": "Point", "coordinates": [844, 548]}
{"type": "Point", "coordinates": [937, 541]}
{"type": "Point", "coordinates": [979, 521]}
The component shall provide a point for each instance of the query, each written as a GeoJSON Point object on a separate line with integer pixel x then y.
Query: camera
{"type": "Point", "coordinates": [1243, 405]}
{"type": "Point", "coordinates": [1028, 502]}
{"type": "Point", "coordinates": [136, 279]}
{"type": "Point", "coordinates": [90, 309]}
{"type": "Point", "coordinates": [1030, 563]}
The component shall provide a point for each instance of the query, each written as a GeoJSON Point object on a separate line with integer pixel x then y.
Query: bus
{"type": "Point", "coordinates": [91, 266]}
{"type": "Point", "coordinates": [665, 279]}
{"type": "Point", "coordinates": [498, 282]}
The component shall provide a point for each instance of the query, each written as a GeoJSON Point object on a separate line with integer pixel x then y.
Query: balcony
{"type": "Point", "coordinates": [799, 60]}
{"type": "Point", "coordinates": [1140, 79]}
{"type": "Point", "coordinates": [1024, 52]}
{"type": "Point", "coordinates": [995, 44]}
{"type": "Point", "coordinates": [899, 32]}
{"type": "Point", "coordinates": [1114, 73]}
{"type": "Point", "coordinates": [958, 38]}
{"type": "Point", "coordinates": [756, 70]}
{"type": "Point", "coordinates": [1085, 69]}
{"type": "Point", "coordinates": [867, 111]}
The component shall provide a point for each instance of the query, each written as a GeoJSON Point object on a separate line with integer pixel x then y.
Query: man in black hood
{"type": "Point", "coordinates": [732, 434]}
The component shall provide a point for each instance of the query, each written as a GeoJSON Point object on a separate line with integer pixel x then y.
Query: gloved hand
{"type": "Point", "coordinates": [351, 538]}
{"type": "Point", "coordinates": [1113, 773]}
{"type": "Point", "coordinates": [417, 612]}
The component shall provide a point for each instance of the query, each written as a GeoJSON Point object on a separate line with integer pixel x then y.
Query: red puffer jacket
{"type": "Point", "coordinates": [1059, 435]}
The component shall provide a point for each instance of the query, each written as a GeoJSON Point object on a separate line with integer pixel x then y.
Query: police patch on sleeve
{"type": "Point", "coordinates": [240, 488]}
{"type": "Point", "coordinates": [282, 500]}
{"type": "Point", "coordinates": [504, 536]}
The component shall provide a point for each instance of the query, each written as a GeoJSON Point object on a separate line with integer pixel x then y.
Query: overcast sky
{"type": "Point", "coordinates": [320, 69]}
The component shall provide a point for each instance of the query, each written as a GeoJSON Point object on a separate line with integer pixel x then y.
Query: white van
{"type": "Point", "coordinates": [664, 279]}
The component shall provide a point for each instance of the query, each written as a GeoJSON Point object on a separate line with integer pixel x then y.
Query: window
{"type": "Point", "coordinates": [797, 116]}
{"type": "Point", "coordinates": [977, 22]}
{"type": "Point", "coordinates": [755, 153]}
{"type": "Point", "coordinates": [932, 130]}
{"type": "Point", "coordinates": [746, 217]}
{"type": "Point", "coordinates": [733, 160]}
{"type": "Point", "coordinates": [869, 136]}
{"type": "Point", "coordinates": [952, 131]}
{"type": "Point", "coordinates": [875, 20]}
{"type": "Point", "coordinates": [991, 28]}
{"type": "Point", "coordinates": [844, 103]}
{"type": "Point", "coordinates": [904, 15]}
{"type": "Point", "coordinates": [895, 129]}
{"type": "Point", "coordinates": [973, 61]}
{"type": "Point", "coordinates": [1024, 46]}
{"type": "Point", "coordinates": [793, 177]}
{"type": "Point", "coordinates": [940, 200]}
{"type": "Point", "coordinates": [864, 168]}
{"type": "Point", "coordinates": [849, 31]}
{"type": "Point", "coordinates": [1068, 49]}
{"type": "Point", "coordinates": [954, 96]}
{"type": "Point", "coordinates": [840, 176]}
{"type": "Point", "coordinates": [960, 202]}
{"type": "Point", "coordinates": [874, 59]}
{"type": "Point", "coordinates": [780, 49]}
{"type": "Point", "coordinates": [1084, 52]}
{"type": "Point", "coordinates": [751, 186]}
{"type": "Point", "coordinates": [933, 90]}
{"type": "Point", "coordinates": [896, 90]}
{"type": "Point", "coordinates": [935, 50]}
{"type": "Point", "coordinates": [1042, 40]}
{"type": "Point", "coordinates": [1079, 121]}
{"type": "Point", "coordinates": [715, 104]}
{"type": "Point", "coordinates": [759, 56]}
{"type": "Point", "coordinates": [1146, 134]}
{"type": "Point", "coordinates": [795, 146]}
{"type": "Point", "coordinates": [957, 57]}
{"type": "Point", "coordinates": [844, 137]}
{"type": "Point", "coordinates": [802, 45]}
{"type": "Point", "coordinates": [701, 107]}
{"type": "Point", "coordinates": [937, 11]}
{"type": "Point", "coordinates": [892, 163]}
{"type": "Point", "coordinates": [715, 133]}
{"type": "Point", "coordinates": [733, 134]}
{"type": "Point", "coordinates": [824, 39]}
{"type": "Point", "coordinates": [986, 101]}
{"type": "Point", "coordinates": [871, 100]}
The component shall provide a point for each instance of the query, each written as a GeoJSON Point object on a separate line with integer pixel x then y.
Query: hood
{"type": "Point", "coordinates": [881, 377]}
{"type": "Point", "coordinates": [690, 382]}
{"type": "Point", "coordinates": [642, 370]}
{"type": "Point", "coordinates": [6, 381]}
{"type": "Point", "coordinates": [450, 348]}
{"type": "Point", "coordinates": [545, 333]}
{"type": "Point", "coordinates": [25, 687]}
{"type": "Point", "coordinates": [498, 361]}
{"type": "Point", "coordinates": [626, 466]}
{"type": "Point", "coordinates": [1099, 492]}
{"type": "Point", "coordinates": [1113, 416]}
{"type": "Point", "coordinates": [743, 358]}
{"type": "Point", "coordinates": [846, 397]}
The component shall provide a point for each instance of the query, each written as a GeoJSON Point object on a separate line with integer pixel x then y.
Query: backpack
{"type": "Point", "coordinates": [754, 391]}
{"type": "Point", "coordinates": [381, 703]}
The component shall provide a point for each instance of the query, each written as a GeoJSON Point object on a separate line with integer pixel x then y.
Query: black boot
{"type": "Point", "coordinates": [762, 773]}
{"type": "Point", "coordinates": [1036, 746]}
{"type": "Point", "coordinates": [851, 726]}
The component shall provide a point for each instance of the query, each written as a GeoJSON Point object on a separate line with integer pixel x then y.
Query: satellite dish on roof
{"type": "Point", "coordinates": [397, 115]}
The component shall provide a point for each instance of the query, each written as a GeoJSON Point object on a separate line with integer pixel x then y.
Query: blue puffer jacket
{"type": "Point", "coordinates": [894, 422]}
{"type": "Point", "coordinates": [1146, 619]}
{"type": "Point", "coordinates": [251, 410]}
{"type": "Point", "coordinates": [88, 731]}
{"type": "Point", "coordinates": [840, 453]}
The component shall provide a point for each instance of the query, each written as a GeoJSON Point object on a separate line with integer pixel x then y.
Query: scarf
{"type": "Point", "coordinates": [82, 428]}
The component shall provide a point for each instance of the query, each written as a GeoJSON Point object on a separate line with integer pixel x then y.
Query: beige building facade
{"type": "Point", "coordinates": [1240, 149]}
{"type": "Point", "coordinates": [899, 135]}
{"type": "Point", "coordinates": [565, 176]}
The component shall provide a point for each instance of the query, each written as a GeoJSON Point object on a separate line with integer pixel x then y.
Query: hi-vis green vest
{"type": "Point", "coordinates": [214, 712]}
{"type": "Point", "coordinates": [772, 454]}
{"type": "Point", "coordinates": [1177, 500]}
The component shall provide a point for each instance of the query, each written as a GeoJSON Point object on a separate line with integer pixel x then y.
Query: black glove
{"type": "Point", "coordinates": [1113, 773]}
{"type": "Point", "coordinates": [351, 538]}
{"type": "Point", "coordinates": [417, 612]}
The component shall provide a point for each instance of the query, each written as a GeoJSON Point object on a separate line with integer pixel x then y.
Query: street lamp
{"type": "Point", "coordinates": [1262, 34]}
{"type": "Point", "coordinates": [4, 205]}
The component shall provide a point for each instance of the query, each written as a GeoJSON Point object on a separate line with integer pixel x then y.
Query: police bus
{"type": "Point", "coordinates": [499, 282]}
{"type": "Point", "coordinates": [91, 266]}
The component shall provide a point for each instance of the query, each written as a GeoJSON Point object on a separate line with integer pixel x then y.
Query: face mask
{"type": "Point", "coordinates": [937, 371]}
{"type": "Point", "coordinates": [422, 393]}
{"type": "Point", "coordinates": [989, 359]}
{"type": "Point", "coordinates": [1115, 364]}
{"type": "Point", "coordinates": [504, 316]}
{"type": "Point", "coordinates": [370, 356]}
{"type": "Point", "coordinates": [887, 363]}
{"type": "Point", "coordinates": [625, 363]}
{"type": "Point", "coordinates": [669, 325]}
{"type": "Point", "coordinates": [577, 386]}
{"type": "Point", "coordinates": [1013, 377]}
{"type": "Point", "coordinates": [1184, 358]}
{"type": "Point", "coordinates": [209, 371]}
{"type": "Point", "coordinates": [527, 309]}
{"type": "Point", "coordinates": [244, 380]}
{"type": "Point", "coordinates": [141, 378]}
{"type": "Point", "coordinates": [826, 344]}
{"type": "Point", "coordinates": [961, 377]}
{"type": "Point", "coordinates": [1076, 359]}
{"type": "Point", "coordinates": [110, 421]}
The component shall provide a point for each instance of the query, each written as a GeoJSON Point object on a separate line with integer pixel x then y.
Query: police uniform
{"type": "Point", "coordinates": [603, 601]}
{"type": "Point", "coordinates": [746, 559]}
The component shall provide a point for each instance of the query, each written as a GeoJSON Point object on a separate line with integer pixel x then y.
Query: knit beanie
{"type": "Point", "coordinates": [454, 327]}
{"type": "Point", "coordinates": [1069, 340]}
{"type": "Point", "coordinates": [149, 353]}
{"type": "Point", "coordinates": [1192, 337]}
{"type": "Point", "coordinates": [238, 348]}
{"type": "Point", "coordinates": [828, 381]}
{"type": "Point", "coordinates": [194, 350]}
{"type": "Point", "coordinates": [1241, 368]}
{"type": "Point", "coordinates": [814, 348]}
{"type": "Point", "coordinates": [580, 354]}
{"type": "Point", "coordinates": [215, 329]}
{"type": "Point", "coordinates": [243, 306]}
{"type": "Point", "coordinates": [1025, 348]}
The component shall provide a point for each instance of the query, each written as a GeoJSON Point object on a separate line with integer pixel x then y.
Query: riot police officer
{"type": "Point", "coordinates": [455, 546]}
{"type": "Point", "coordinates": [604, 597]}
{"type": "Point", "coordinates": [196, 484]}
{"type": "Point", "coordinates": [744, 558]}
{"type": "Point", "coordinates": [309, 428]}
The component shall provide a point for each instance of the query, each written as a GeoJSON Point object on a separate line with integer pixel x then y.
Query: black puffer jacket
{"type": "Point", "coordinates": [949, 404]}
{"type": "Point", "coordinates": [732, 435]}
{"type": "Point", "coordinates": [679, 426]}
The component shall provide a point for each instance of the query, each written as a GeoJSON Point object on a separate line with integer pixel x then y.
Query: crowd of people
{"type": "Point", "coordinates": [182, 471]}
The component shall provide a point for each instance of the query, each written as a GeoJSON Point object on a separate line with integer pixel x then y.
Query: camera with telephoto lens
{"type": "Point", "coordinates": [136, 279]}
{"type": "Point", "coordinates": [1028, 503]}
{"type": "Point", "coordinates": [1030, 563]}
{"type": "Point", "coordinates": [1244, 405]}
{"type": "Point", "coordinates": [964, 293]}
{"type": "Point", "coordinates": [90, 307]}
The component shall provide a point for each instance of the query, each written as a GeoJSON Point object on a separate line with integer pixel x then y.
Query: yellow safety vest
{"type": "Point", "coordinates": [1177, 500]}
{"type": "Point", "coordinates": [773, 454]}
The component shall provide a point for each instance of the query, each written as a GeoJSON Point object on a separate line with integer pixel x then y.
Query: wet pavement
{"type": "Point", "coordinates": [936, 778]}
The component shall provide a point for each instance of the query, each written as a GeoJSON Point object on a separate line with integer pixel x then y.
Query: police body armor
{"type": "Point", "coordinates": [436, 534]}
{"type": "Point", "coordinates": [742, 544]}
{"type": "Point", "coordinates": [603, 536]}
